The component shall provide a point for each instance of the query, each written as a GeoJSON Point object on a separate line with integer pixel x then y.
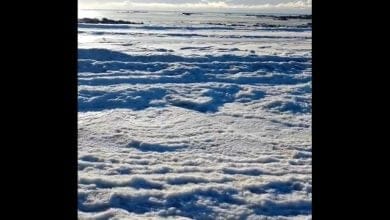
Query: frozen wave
{"type": "Point", "coordinates": [201, 127]}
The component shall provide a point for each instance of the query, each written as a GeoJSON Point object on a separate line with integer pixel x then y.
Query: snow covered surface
{"type": "Point", "coordinates": [206, 116]}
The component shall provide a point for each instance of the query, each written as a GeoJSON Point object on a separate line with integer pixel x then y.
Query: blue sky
{"type": "Point", "coordinates": [279, 6]}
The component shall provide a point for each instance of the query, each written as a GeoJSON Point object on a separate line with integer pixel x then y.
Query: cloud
{"type": "Point", "coordinates": [264, 5]}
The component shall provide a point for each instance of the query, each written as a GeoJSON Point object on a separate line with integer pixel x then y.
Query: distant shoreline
{"type": "Point", "coordinates": [105, 21]}
{"type": "Point", "coordinates": [206, 12]}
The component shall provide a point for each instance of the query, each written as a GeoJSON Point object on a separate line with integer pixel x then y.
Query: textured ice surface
{"type": "Point", "coordinates": [201, 118]}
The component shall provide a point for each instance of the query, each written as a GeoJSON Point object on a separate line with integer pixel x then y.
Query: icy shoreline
{"type": "Point", "coordinates": [212, 126]}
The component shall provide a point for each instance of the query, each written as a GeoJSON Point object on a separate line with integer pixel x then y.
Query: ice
{"type": "Point", "coordinates": [204, 117]}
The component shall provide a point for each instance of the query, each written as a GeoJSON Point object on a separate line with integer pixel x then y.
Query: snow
{"type": "Point", "coordinates": [196, 118]}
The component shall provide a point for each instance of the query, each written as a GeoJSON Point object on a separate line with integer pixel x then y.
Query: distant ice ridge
{"type": "Point", "coordinates": [212, 126]}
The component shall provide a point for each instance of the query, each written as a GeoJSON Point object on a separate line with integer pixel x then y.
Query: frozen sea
{"type": "Point", "coordinates": [194, 116]}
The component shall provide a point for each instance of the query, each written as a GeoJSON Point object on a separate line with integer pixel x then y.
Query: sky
{"type": "Point", "coordinates": [266, 6]}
